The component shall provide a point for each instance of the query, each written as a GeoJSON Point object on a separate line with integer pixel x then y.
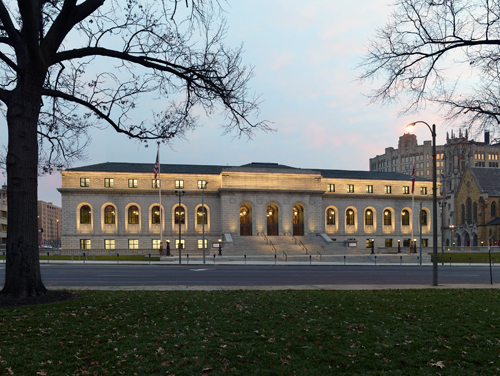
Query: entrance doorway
{"type": "Point", "coordinates": [272, 220]}
{"type": "Point", "coordinates": [298, 220]}
{"type": "Point", "coordinates": [245, 220]}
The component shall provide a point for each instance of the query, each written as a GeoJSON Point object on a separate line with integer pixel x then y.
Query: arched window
{"type": "Point", "coordinates": [133, 215]}
{"type": "Point", "coordinates": [469, 210]}
{"type": "Point", "coordinates": [463, 214]}
{"type": "Point", "coordinates": [369, 217]}
{"type": "Point", "coordinates": [493, 209]}
{"type": "Point", "coordinates": [474, 214]}
{"type": "Point", "coordinates": [155, 215]}
{"type": "Point", "coordinates": [85, 217]}
{"type": "Point", "coordinates": [349, 217]}
{"type": "Point", "coordinates": [330, 217]}
{"type": "Point", "coordinates": [387, 218]}
{"type": "Point", "coordinates": [109, 214]}
{"type": "Point", "coordinates": [180, 215]}
{"type": "Point", "coordinates": [199, 215]}
{"type": "Point", "coordinates": [405, 218]}
{"type": "Point", "coordinates": [423, 218]}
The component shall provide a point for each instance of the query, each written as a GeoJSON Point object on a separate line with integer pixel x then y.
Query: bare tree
{"type": "Point", "coordinates": [70, 65]}
{"type": "Point", "coordinates": [441, 51]}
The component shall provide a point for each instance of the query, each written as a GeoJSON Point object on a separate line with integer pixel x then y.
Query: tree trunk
{"type": "Point", "coordinates": [22, 276]}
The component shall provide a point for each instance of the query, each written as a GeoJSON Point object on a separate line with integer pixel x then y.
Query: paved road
{"type": "Point", "coordinates": [258, 276]}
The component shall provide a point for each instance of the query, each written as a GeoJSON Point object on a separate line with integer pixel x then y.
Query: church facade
{"type": "Point", "coordinates": [117, 205]}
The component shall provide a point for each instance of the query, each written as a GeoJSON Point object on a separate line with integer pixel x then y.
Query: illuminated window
{"type": "Point", "coordinates": [179, 215]}
{"type": "Point", "coordinates": [423, 218]}
{"type": "Point", "coordinates": [330, 217]}
{"type": "Point", "coordinates": [109, 243]}
{"type": "Point", "coordinates": [200, 243]}
{"type": "Point", "coordinates": [423, 190]}
{"type": "Point", "coordinates": [199, 216]}
{"type": "Point", "coordinates": [155, 183]}
{"type": "Point", "coordinates": [388, 189]}
{"type": "Point", "coordinates": [331, 188]}
{"type": "Point", "coordinates": [133, 244]}
{"type": "Point", "coordinates": [182, 244]}
{"type": "Point", "coordinates": [369, 189]}
{"type": "Point", "coordinates": [406, 190]}
{"type": "Point", "coordinates": [388, 242]}
{"type": "Point", "coordinates": [133, 215]}
{"type": "Point", "coordinates": [109, 214]}
{"type": "Point", "coordinates": [350, 188]}
{"type": "Point", "coordinates": [369, 217]}
{"type": "Point", "coordinates": [84, 182]}
{"type": "Point", "coordinates": [202, 184]}
{"type": "Point", "coordinates": [405, 218]}
{"type": "Point", "coordinates": [179, 184]}
{"type": "Point", "coordinates": [84, 243]}
{"type": "Point", "coordinates": [387, 218]}
{"type": "Point", "coordinates": [108, 183]}
{"type": "Point", "coordinates": [155, 215]}
{"type": "Point", "coordinates": [156, 244]}
{"type": "Point", "coordinates": [85, 217]}
{"type": "Point", "coordinates": [349, 217]}
{"type": "Point", "coordinates": [132, 183]}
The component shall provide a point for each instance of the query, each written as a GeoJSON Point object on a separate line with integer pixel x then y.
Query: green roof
{"type": "Point", "coordinates": [217, 170]}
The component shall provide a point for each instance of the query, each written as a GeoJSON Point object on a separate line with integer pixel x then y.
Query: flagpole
{"type": "Point", "coordinates": [159, 194]}
{"type": "Point", "coordinates": [413, 204]}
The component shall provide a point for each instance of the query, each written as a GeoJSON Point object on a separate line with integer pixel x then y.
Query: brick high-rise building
{"type": "Point", "coordinates": [49, 224]}
{"type": "Point", "coordinates": [452, 160]}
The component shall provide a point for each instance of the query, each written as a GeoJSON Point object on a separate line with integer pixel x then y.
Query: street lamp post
{"type": "Point", "coordinates": [434, 201]}
{"type": "Point", "coordinates": [204, 186]}
{"type": "Point", "coordinates": [442, 205]}
{"type": "Point", "coordinates": [57, 234]}
{"type": "Point", "coordinates": [179, 194]}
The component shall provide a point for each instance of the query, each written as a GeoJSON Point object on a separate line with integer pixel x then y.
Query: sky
{"type": "Point", "coordinates": [305, 56]}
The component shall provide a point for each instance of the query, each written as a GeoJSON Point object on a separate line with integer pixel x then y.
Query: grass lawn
{"type": "Point", "coordinates": [468, 257]}
{"type": "Point", "coordinates": [410, 332]}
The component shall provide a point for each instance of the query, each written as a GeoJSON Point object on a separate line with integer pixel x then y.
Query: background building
{"type": "Point", "coordinates": [115, 205]}
{"type": "Point", "coordinates": [49, 224]}
{"type": "Point", "coordinates": [452, 160]}
{"type": "Point", "coordinates": [478, 205]}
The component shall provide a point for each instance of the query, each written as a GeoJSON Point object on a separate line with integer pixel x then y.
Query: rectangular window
{"type": "Point", "coordinates": [406, 190]}
{"type": "Point", "coordinates": [406, 242]}
{"type": "Point", "coordinates": [350, 188]}
{"type": "Point", "coordinates": [202, 184]}
{"type": "Point", "coordinates": [179, 184]}
{"type": "Point", "coordinates": [423, 190]}
{"type": "Point", "coordinates": [155, 183]}
{"type": "Point", "coordinates": [84, 182]}
{"type": "Point", "coordinates": [4, 228]}
{"type": "Point", "coordinates": [200, 243]}
{"type": "Point", "coordinates": [388, 189]}
{"type": "Point", "coordinates": [156, 244]}
{"type": "Point", "coordinates": [133, 244]}
{"type": "Point", "coordinates": [369, 189]}
{"type": "Point", "coordinates": [369, 243]}
{"type": "Point", "coordinates": [84, 243]}
{"type": "Point", "coordinates": [109, 243]}
{"type": "Point", "coordinates": [3, 214]}
{"type": "Point", "coordinates": [108, 182]}
{"type": "Point", "coordinates": [388, 242]}
{"type": "Point", "coordinates": [425, 242]}
{"type": "Point", "coordinates": [177, 244]}
{"type": "Point", "coordinates": [132, 183]}
{"type": "Point", "coordinates": [331, 187]}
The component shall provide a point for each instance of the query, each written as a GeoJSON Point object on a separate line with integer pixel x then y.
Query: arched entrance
{"type": "Point", "coordinates": [245, 220]}
{"type": "Point", "coordinates": [272, 220]}
{"type": "Point", "coordinates": [467, 240]}
{"type": "Point", "coordinates": [298, 220]}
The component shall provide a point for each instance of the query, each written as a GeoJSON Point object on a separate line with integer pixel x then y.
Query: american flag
{"type": "Point", "coordinates": [413, 179]}
{"type": "Point", "coordinates": [157, 168]}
